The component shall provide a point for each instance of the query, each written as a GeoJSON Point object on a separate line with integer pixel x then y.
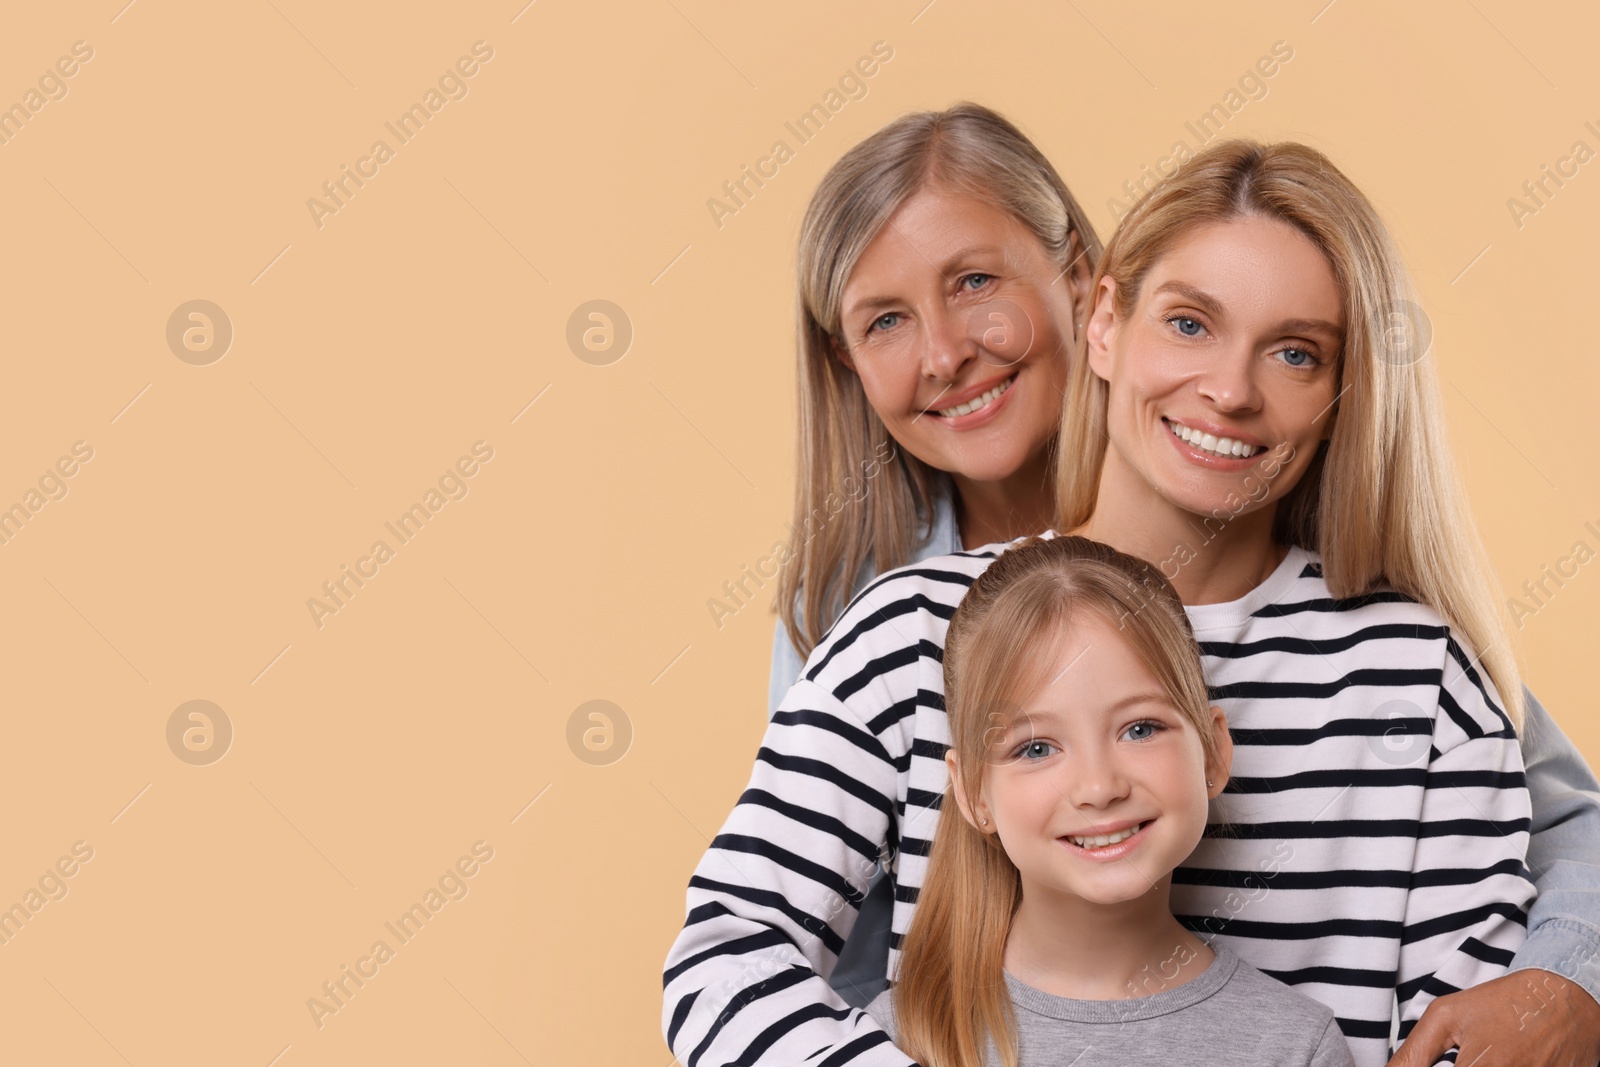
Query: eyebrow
{"type": "Point", "coordinates": [1198, 297]}
{"type": "Point", "coordinates": [1212, 306]}
{"type": "Point", "coordinates": [946, 269]}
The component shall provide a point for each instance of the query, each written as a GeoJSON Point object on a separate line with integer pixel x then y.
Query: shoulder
{"type": "Point", "coordinates": [939, 579]}
{"type": "Point", "coordinates": [1290, 1011]}
{"type": "Point", "coordinates": [895, 614]}
{"type": "Point", "coordinates": [1305, 595]}
{"type": "Point", "coordinates": [938, 537]}
{"type": "Point", "coordinates": [899, 618]}
{"type": "Point", "coordinates": [1385, 630]}
{"type": "Point", "coordinates": [882, 1012]}
{"type": "Point", "coordinates": [942, 535]}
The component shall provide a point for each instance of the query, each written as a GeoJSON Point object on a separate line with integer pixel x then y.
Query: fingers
{"type": "Point", "coordinates": [1435, 1034]}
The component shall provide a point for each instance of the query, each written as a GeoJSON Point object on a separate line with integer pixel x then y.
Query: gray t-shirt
{"type": "Point", "coordinates": [1231, 1014]}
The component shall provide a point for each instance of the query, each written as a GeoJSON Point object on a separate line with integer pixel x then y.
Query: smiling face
{"type": "Point", "coordinates": [1098, 788]}
{"type": "Point", "coordinates": [1224, 372]}
{"type": "Point", "coordinates": [958, 324]}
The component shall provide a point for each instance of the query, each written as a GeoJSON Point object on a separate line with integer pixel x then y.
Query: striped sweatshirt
{"type": "Point", "coordinates": [1369, 848]}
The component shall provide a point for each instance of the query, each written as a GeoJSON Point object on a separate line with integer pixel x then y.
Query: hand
{"type": "Point", "coordinates": [1528, 1018]}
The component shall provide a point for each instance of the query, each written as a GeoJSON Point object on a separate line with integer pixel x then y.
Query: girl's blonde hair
{"type": "Point", "coordinates": [1380, 502]}
{"type": "Point", "coordinates": [951, 995]}
{"type": "Point", "coordinates": [856, 496]}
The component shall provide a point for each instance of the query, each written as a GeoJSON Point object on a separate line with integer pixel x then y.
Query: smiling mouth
{"type": "Point", "coordinates": [977, 403]}
{"type": "Point", "coordinates": [1226, 447]}
{"type": "Point", "coordinates": [1095, 841]}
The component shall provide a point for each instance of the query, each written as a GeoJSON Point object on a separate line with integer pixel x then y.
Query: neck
{"type": "Point", "coordinates": [1069, 947]}
{"type": "Point", "coordinates": [1208, 558]}
{"type": "Point", "coordinates": [1021, 504]}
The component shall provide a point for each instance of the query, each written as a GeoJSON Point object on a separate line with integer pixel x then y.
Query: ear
{"type": "Point", "coordinates": [1102, 328]}
{"type": "Point", "coordinates": [978, 816]}
{"type": "Point", "coordinates": [1222, 767]}
{"type": "Point", "coordinates": [841, 353]}
{"type": "Point", "coordinates": [1079, 276]}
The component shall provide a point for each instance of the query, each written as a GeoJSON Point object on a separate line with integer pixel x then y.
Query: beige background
{"type": "Point", "coordinates": [368, 354]}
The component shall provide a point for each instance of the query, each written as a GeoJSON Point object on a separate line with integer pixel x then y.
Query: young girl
{"type": "Point", "coordinates": [1083, 756]}
{"type": "Point", "coordinates": [1249, 430]}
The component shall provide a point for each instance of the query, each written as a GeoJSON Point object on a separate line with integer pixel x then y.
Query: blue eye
{"type": "Point", "coordinates": [1297, 357]}
{"type": "Point", "coordinates": [1145, 729]}
{"type": "Point", "coordinates": [1187, 326]}
{"type": "Point", "coordinates": [1035, 750]}
{"type": "Point", "coordinates": [982, 277]}
{"type": "Point", "coordinates": [884, 322]}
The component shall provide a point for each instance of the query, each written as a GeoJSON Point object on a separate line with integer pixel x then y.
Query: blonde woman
{"type": "Point", "coordinates": [1084, 751]}
{"type": "Point", "coordinates": [942, 272]}
{"type": "Point", "coordinates": [1276, 460]}
{"type": "Point", "coordinates": [943, 269]}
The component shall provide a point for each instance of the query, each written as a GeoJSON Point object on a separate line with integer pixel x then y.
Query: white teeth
{"type": "Point", "coordinates": [1222, 446]}
{"type": "Point", "coordinates": [1102, 840]}
{"type": "Point", "coordinates": [978, 401]}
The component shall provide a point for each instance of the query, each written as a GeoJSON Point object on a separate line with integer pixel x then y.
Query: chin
{"type": "Point", "coordinates": [1217, 493]}
{"type": "Point", "coordinates": [1111, 897]}
{"type": "Point", "coordinates": [1001, 460]}
{"type": "Point", "coordinates": [986, 472]}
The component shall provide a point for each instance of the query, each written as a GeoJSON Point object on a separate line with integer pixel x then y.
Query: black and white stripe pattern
{"type": "Point", "coordinates": [1371, 844]}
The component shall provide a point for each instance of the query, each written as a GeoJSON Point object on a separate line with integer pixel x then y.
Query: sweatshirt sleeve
{"type": "Point", "coordinates": [1564, 855]}
{"type": "Point", "coordinates": [1470, 886]}
{"type": "Point", "coordinates": [773, 898]}
{"type": "Point", "coordinates": [1332, 1050]}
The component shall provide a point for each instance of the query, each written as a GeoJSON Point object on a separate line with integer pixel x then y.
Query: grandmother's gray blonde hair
{"type": "Point", "coordinates": [852, 503]}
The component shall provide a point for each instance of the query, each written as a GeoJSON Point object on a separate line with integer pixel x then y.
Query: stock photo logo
{"type": "Point", "coordinates": [599, 732]}
{"type": "Point", "coordinates": [1251, 87]}
{"type": "Point", "coordinates": [1537, 593]}
{"type": "Point", "coordinates": [852, 86]}
{"type": "Point", "coordinates": [599, 332]}
{"type": "Point", "coordinates": [51, 87]}
{"type": "Point", "coordinates": [199, 732]}
{"type": "Point", "coordinates": [52, 885]}
{"type": "Point", "coordinates": [452, 85]}
{"type": "Point", "coordinates": [1406, 738]}
{"type": "Point", "coordinates": [199, 332]}
{"type": "Point", "coordinates": [1537, 192]}
{"type": "Point", "coordinates": [452, 886]}
{"type": "Point", "coordinates": [52, 486]}
{"type": "Point", "coordinates": [737, 594]}
{"type": "Point", "coordinates": [453, 484]}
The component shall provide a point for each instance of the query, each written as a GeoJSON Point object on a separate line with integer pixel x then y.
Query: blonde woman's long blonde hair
{"type": "Point", "coordinates": [951, 997]}
{"type": "Point", "coordinates": [1381, 501]}
{"type": "Point", "coordinates": [856, 495]}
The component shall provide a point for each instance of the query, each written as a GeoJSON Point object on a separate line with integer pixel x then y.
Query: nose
{"type": "Point", "coordinates": [947, 344]}
{"type": "Point", "coordinates": [1097, 782]}
{"type": "Point", "coordinates": [1228, 380]}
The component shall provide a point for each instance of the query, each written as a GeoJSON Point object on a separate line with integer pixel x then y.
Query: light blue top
{"type": "Point", "coordinates": [941, 540]}
{"type": "Point", "coordinates": [1563, 852]}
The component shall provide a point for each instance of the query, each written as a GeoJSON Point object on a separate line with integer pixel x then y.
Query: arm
{"type": "Point", "coordinates": [786, 667]}
{"type": "Point", "coordinates": [1490, 1019]}
{"type": "Point", "coordinates": [1564, 924]}
{"type": "Point", "coordinates": [1332, 1050]}
{"type": "Point", "coordinates": [1470, 890]}
{"type": "Point", "coordinates": [773, 898]}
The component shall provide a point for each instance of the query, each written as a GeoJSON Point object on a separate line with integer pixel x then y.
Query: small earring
{"type": "Point", "coordinates": [1208, 783]}
{"type": "Point", "coordinates": [984, 822]}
